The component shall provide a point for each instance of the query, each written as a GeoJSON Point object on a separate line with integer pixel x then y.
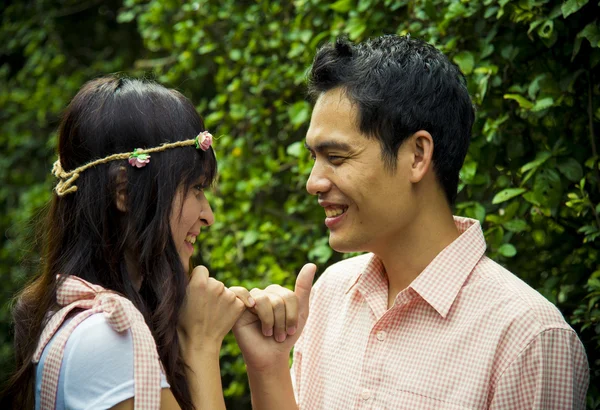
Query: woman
{"type": "Point", "coordinates": [118, 318]}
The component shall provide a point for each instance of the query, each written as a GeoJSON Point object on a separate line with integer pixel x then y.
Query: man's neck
{"type": "Point", "coordinates": [409, 254]}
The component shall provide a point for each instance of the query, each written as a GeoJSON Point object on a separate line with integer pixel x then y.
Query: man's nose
{"type": "Point", "coordinates": [318, 182]}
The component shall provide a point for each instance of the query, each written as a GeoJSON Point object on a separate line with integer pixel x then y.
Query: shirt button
{"type": "Point", "coordinates": [381, 335]}
{"type": "Point", "coordinates": [365, 395]}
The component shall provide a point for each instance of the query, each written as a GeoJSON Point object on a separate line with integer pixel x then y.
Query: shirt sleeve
{"type": "Point", "coordinates": [296, 367]}
{"type": "Point", "coordinates": [97, 370]}
{"type": "Point", "coordinates": [551, 373]}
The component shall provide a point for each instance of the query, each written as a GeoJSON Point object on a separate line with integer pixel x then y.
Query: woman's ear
{"type": "Point", "coordinates": [121, 189]}
{"type": "Point", "coordinates": [421, 144]}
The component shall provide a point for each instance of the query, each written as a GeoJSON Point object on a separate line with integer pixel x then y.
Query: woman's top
{"type": "Point", "coordinates": [97, 367]}
{"type": "Point", "coordinates": [122, 318]}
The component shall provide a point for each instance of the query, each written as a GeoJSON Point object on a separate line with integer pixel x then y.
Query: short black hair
{"type": "Point", "coordinates": [401, 85]}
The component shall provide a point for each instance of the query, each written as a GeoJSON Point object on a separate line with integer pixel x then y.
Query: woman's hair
{"type": "Point", "coordinates": [87, 236]}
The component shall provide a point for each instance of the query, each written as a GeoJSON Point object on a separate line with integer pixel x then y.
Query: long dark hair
{"type": "Point", "coordinates": [87, 236]}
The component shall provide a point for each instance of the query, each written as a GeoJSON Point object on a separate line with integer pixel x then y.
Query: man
{"type": "Point", "coordinates": [424, 319]}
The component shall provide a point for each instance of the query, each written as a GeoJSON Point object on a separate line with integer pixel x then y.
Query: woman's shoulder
{"type": "Point", "coordinates": [95, 340]}
{"type": "Point", "coordinates": [97, 366]}
{"type": "Point", "coordinates": [97, 363]}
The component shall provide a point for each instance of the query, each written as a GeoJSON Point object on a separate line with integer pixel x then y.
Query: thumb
{"type": "Point", "coordinates": [304, 284]}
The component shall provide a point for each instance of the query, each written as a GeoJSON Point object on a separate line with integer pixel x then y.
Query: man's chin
{"type": "Point", "coordinates": [343, 245]}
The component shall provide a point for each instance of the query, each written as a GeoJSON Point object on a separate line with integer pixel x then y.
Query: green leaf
{"type": "Point", "coordinates": [235, 55]}
{"type": "Point", "coordinates": [342, 6]}
{"type": "Point", "coordinates": [515, 225]}
{"type": "Point", "coordinates": [507, 250]}
{"type": "Point", "coordinates": [542, 104]}
{"type": "Point", "coordinates": [534, 87]}
{"type": "Point", "coordinates": [571, 6]}
{"type": "Point", "coordinates": [250, 237]}
{"type": "Point", "coordinates": [299, 113]}
{"type": "Point", "coordinates": [540, 158]}
{"type": "Point", "coordinates": [294, 149]}
{"type": "Point", "coordinates": [548, 187]}
{"type": "Point", "coordinates": [546, 30]}
{"type": "Point", "coordinates": [465, 62]}
{"type": "Point", "coordinates": [571, 169]}
{"type": "Point", "coordinates": [126, 16]}
{"type": "Point", "coordinates": [523, 102]}
{"type": "Point", "coordinates": [507, 194]}
{"type": "Point", "coordinates": [589, 32]}
{"type": "Point", "coordinates": [355, 28]}
{"type": "Point", "coordinates": [364, 5]}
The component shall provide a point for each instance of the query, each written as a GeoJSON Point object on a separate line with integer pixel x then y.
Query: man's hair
{"type": "Point", "coordinates": [401, 85]}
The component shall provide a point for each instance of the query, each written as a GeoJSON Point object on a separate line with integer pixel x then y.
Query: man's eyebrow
{"type": "Point", "coordinates": [327, 146]}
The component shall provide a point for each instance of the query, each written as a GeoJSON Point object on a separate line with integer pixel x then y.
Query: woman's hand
{"type": "Point", "coordinates": [208, 313]}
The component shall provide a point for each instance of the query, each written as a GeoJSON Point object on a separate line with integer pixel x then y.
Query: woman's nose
{"type": "Point", "coordinates": [206, 215]}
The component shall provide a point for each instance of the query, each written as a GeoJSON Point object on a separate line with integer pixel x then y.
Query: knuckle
{"type": "Point", "coordinates": [277, 303]}
{"type": "Point", "coordinates": [216, 285]}
{"type": "Point", "coordinates": [255, 292]}
{"type": "Point", "coordinates": [229, 296]}
{"type": "Point", "coordinates": [290, 297]}
{"type": "Point", "coordinates": [260, 299]}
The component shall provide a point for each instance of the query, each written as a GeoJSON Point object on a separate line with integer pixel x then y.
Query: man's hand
{"type": "Point", "coordinates": [267, 332]}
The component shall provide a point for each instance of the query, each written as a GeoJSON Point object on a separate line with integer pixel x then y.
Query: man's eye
{"type": "Point", "coordinates": [334, 158]}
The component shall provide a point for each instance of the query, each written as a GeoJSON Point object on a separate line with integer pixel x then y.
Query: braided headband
{"type": "Point", "coordinates": [138, 158]}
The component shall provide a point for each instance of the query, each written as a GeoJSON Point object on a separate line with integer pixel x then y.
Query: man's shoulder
{"type": "Point", "coordinates": [342, 274]}
{"type": "Point", "coordinates": [520, 298]}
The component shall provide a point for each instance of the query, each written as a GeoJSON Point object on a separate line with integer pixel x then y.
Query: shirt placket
{"type": "Point", "coordinates": [370, 394]}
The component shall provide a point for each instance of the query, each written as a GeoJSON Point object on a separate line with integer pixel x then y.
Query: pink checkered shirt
{"type": "Point", "coordinates": [121, 314]}
{"type": "Point", "coordinates": [466, 334]}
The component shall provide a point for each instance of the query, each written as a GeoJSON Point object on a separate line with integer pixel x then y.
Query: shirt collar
{"type": "Point", "coordinates": [443, 278]}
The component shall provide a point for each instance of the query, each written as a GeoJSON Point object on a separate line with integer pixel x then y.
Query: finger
{"type": "Point", "coordinates": [236, 304]}
{"type": "Point", "coordinates": [244, 295]}
{"type": "Point", "coordinates": [291, 307]}
{"type": "Point", "coordinates": [264, 311]}
{"type": "Point", "coordinates": [304, 285]}
{"type": "Point", "coordinates": [215, 286]}
{"type": "Point", "coordinates": [199, 277]}
{"type": "Point", "coordinates": [278, 306]}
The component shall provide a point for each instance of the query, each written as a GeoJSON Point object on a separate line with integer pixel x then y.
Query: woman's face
{"type": "Point", "coordinates": [189, 213]}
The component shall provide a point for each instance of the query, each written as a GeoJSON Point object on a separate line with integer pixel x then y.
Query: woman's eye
{"type": "Point", "coordinates": [199, 188]}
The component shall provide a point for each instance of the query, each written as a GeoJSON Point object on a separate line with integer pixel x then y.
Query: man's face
{"type": "Point", "coordinates": [366, 205]}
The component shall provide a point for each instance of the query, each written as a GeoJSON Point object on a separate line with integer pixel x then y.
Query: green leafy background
{"type": "Point", "coordinates": [531, 175]}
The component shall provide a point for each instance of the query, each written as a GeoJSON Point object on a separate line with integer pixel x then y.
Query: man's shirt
{"type": "Point", "coordinates": [466, 334]}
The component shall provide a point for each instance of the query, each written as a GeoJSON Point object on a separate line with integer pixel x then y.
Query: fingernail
{"type": "Point", "coordinates": [291, 330]}
{"type": "Point", "coordinates": [251, 301]}
{"type": "Point", "coordinates": [269, 332]}
{"type": "Point", "coordinates": [280, 338]}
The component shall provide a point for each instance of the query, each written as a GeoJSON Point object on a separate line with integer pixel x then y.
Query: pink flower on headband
{"type": "Point", "coordinates": [138, 160]}
{"type": "Point", "coordinates": [204, 140]}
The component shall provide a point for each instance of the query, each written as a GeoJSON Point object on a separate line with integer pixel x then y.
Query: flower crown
{"type": "Point", "coordinates": [139, 158]}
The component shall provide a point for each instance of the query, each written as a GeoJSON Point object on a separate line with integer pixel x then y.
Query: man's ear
{"type": "Point", "coordinates": [121, 189]}
{"type": "Point", "coordinates": [421, 146]}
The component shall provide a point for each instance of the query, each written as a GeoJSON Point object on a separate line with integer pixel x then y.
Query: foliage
{"type": "Point", "coordinates": [532, 175]}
